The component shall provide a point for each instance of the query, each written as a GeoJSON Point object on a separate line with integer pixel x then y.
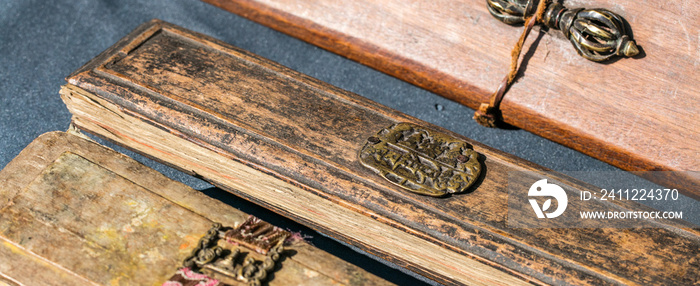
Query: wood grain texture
{"type": "Point", "coordinates": [74, 212]}
{"type": "Point", "coordinates": [636, 114]}
{"type": "Point", "coordinates": [290, 143]}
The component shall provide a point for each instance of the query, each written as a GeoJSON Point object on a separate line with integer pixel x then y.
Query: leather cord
{"type": "Point", "coordinates": [489, 114]}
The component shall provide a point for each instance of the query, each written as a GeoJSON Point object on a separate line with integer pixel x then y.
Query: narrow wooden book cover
{"type": "Point", "coordinates": [637, 114]}
{"type": "Point", "coordinates": [74, 212]}
{"type": "Point", "coordinates": [313, 152]}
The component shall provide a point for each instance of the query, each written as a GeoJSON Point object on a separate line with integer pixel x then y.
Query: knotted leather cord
{"type": "Point", "coordinates": [489, 114]}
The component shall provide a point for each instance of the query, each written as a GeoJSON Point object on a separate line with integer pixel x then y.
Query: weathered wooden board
{"type": "Point", "coordinates": [73, 212]}
{"type": "Point", "coordinates": [637, 114]}
{"type": "Point", "coordinates": [291, 144]}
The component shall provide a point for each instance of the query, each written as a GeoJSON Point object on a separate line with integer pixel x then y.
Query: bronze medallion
{"type": "Point", "coordinates": [420, 160]}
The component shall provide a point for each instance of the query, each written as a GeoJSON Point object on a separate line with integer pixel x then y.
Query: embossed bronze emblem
{"type": "Point", "coordinates": [420, 160]}
{"type": "Point", "coordinates": [244, 255]}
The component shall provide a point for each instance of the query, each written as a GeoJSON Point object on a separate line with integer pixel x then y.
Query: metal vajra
{"type": "Point", "coordinates": [597, 34]}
